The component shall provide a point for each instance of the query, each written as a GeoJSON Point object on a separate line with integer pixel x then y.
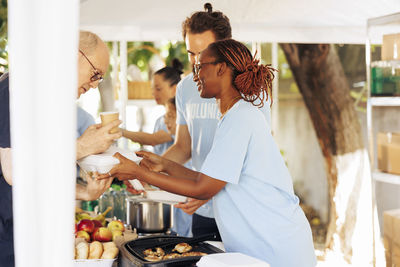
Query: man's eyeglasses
{"type": "Point", "coordinates": [198, 66]}
{"type": "Point", "coordinates": [97, 75]}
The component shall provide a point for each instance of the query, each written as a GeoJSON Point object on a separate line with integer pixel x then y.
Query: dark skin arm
{"type": "Point", "coordinates": [152, 161]}
{"type": "Point", "coordinates": [181, 180]}
{"type": "Point", "coordinates": [156, 163]}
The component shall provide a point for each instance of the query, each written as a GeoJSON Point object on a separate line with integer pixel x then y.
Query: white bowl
{"type": "Point", "coordinates": [165, 197]}
{"type": "Point", "coordinates": [104, 162]}
{"type": "Point", "coordinates": [137, 184]}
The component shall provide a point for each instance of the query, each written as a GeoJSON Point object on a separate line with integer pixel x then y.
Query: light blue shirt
{"type": "Point", "coordinates": [160, 126]}
{"type": "Point", "coordinates": [201, 116]}
{"type": "Point", "coordinates": [84, 120]}
{"type": "Point", "coordinates": [182, 221]}
{"type": "Point", "coordinates": [257, 212]}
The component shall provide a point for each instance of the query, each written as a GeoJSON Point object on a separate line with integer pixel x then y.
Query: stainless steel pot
{"type": "Point", "coordinates": [149, 216]}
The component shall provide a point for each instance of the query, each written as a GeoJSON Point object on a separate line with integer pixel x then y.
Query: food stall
{"type": "Point", "coordinates": [43, 53]}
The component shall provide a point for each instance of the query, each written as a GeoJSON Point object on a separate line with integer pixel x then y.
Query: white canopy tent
{"type": "Point", "coordinates": [43, 49]}
{"type": "Point", "coordinates": [284, 21]}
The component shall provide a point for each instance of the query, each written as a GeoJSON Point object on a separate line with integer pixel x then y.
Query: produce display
{"type": "Point", "coordinates": [94, 239]}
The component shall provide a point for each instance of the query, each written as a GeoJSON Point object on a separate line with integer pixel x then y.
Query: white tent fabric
{"type": "Point", "coordinates": [43, 53]}
{"type": "Point", "coordinates": [283, 21]}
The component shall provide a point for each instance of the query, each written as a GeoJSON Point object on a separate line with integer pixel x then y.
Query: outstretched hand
{"type": "Point", "coordinates": [125, 170]}
{"type": "Point", "coordinates": [94, 189]}
{"type": "Point", "coordinates": [191, 205]}
{"type": "Point", "coordinates": [151, 161]}
{"type": "Point", "coordinates": [131, 189]}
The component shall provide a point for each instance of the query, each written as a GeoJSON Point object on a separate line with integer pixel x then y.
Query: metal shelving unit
{"type": "Point", "coordinates": [376, 28]}
{"type": "Point", "coordinates": [385, 101]}
{"type": "Point", "coordinates": [386, 177]}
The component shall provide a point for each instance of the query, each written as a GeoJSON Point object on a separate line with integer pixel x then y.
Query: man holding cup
{"type": "Point", "coordinates": [93, 63]}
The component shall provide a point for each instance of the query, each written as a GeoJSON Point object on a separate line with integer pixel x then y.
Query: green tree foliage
{"type": "Point", "coordinates": [140, 54]}
{"type": "Point", "coordinates": [177, 50]}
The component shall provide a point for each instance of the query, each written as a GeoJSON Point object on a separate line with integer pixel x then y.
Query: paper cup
{"type": "Point", "coordinates": [107, 117]}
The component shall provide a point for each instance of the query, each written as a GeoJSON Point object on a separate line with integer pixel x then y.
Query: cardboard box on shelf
{"type": "Point", "coordinates": [391, 47]}
{"type": "Point", "coordinates": [389, 152]}
{"type": "Point", "coordinates": [391, 239]}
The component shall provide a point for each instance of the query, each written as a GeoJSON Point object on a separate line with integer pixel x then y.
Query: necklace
{"type": "Point", "coordinates": [234, 100]}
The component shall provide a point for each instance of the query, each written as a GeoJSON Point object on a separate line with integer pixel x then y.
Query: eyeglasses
{"type": "Point", "coordinates": [97, 75]}
{"type": "Point", "coordinates": [198, 66]}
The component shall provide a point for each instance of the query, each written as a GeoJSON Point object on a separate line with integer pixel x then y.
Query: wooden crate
{"type": "Point", "coordinates": [139, 90]}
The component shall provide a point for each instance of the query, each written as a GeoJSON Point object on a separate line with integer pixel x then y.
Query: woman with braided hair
{"type": "Point", "coordinates": [255, 207]}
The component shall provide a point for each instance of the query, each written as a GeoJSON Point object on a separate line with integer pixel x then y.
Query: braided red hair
{"type": "Point", "coordinates": [252, 79]}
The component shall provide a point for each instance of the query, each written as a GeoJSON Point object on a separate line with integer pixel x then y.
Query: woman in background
{"type": "Point", "coordinates": [164, 88]}
{"type": "Point", "coordinates": [164, 85]}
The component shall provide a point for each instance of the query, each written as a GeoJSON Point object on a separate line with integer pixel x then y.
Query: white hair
{"type": "Point", "coordinates": [88, 41]}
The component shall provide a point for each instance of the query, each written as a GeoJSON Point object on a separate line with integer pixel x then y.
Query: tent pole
{"type": "Point", "coordinates": [124, 86]}
{"type": "Point", "coordinates": [275, 90]}
{"type": "Point", "coordinates": [115, 67]}
{"type": "Point", "coordinates": [43, 56]}
{"type": "Point", "coordinates": [256, 47]}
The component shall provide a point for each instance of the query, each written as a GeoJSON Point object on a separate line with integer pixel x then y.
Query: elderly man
{"type": "Point", "coordinates": [92, 64]}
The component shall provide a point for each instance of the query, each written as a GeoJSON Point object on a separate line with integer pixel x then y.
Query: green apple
{"type": "Point", "coordinates": [115, 234]}
{"type": "Point", "coordinates": [83, 234]}
{"type": "Point", "coordinates": [116, 225]}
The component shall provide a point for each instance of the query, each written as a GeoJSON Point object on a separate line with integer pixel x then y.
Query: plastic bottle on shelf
{"type": "Point", "coordinates": [124, 195]}
{"type": "Point", "coordinates": [117, 205]}
{"type": "Point", "coordinates": [106, 201]}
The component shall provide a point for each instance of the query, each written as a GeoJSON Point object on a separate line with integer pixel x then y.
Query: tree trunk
{"type": "Point", "coordinates": [326, 93]}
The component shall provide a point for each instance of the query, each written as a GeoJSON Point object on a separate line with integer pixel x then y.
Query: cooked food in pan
{"type": "Point", "coordinates": [158, 252]}
{"type": "Point", "coordinates": [172, 256]}
{"type": "Point", "coordinates": [182, 247]}
{"type": "Point", "coordinates": [153, 258]}
{"type": "Point", "coordinates": [193, 254]}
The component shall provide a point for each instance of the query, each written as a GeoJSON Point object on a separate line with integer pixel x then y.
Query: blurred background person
{"type": "Point", "coordinates": [164, 85]}
{"type": "Point", "coordinates": [163, 88]}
